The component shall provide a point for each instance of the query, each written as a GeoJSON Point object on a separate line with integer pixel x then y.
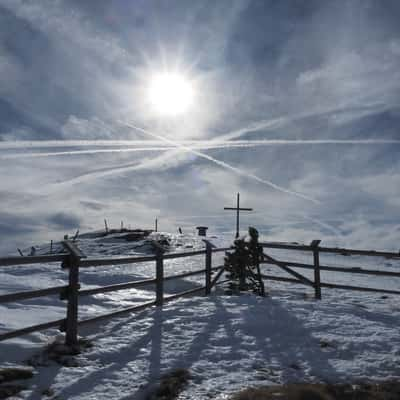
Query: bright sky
{"type": "Point", "coordinates": [141, 102]}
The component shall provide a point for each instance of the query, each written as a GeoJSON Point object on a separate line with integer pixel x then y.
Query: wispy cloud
{"type": "Point", "coordinates": [221, 163]}
{"type": "Point", "coordinates": [283, 114]}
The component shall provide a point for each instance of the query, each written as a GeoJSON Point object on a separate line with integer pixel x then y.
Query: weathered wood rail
{"type": "Point", "coordinates": [73, 260]}
{"type": "Point", "coordinates": [315, 249]}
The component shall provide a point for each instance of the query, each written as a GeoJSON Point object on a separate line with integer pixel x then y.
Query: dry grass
{"type": "Point", "coordinates": [285, 392]}
{"type": "Point", "coordinates": [8, 376]}
{"type": "Point", "coordinates": [60, 353]}
{"type": "Point", "coordinates": [10, 390]}
{"type": "Point", "coordinates": [367, 391]}
{"type": "Point", "coordinates": [170, 385]}
{"type": "Point", "coordinates": [13, 374]}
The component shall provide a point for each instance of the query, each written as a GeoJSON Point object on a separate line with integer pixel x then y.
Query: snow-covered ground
{"type": "Point", "coordinates": [226, 342]}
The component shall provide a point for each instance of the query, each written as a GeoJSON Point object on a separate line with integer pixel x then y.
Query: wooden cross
{"type": "Point", "coordinates": [237, 208]}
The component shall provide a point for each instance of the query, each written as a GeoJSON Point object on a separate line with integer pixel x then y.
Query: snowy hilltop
{"type": "Point", "coordinates": [220, 344]}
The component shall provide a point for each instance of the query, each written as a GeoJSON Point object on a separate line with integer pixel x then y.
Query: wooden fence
{"type": "Point", "coordinates": [316, 249]}
{"type": "Point", "coordinates": [74, 260]}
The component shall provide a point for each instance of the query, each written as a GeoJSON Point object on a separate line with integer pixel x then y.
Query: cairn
{"type": "Point", "coordinates": [242, 262]}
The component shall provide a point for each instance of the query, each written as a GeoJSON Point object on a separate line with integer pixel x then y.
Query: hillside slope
{"type": "Point", "coordinates": [226, 343]}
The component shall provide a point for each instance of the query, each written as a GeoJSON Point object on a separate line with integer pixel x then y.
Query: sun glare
{"type": "Point", "coordinates": [170, 94]}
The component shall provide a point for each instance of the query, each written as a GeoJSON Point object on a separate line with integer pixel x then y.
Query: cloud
{"type": "Point", "coordinates": [64, 220]}
{"type": "Point", "coordinates": [303, 96]}
{"type": "Point", "coordinates": [224, 164]}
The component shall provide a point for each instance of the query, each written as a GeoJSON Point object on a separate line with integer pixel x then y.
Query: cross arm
{"type": "Point", "coordinates": [235, 208]}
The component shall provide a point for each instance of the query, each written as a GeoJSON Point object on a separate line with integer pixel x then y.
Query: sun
{"type": "Point", "coordinates": [170, 94]}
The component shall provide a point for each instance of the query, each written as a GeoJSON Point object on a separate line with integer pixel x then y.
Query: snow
{"type": "Point", "coordinates": [226, 342]}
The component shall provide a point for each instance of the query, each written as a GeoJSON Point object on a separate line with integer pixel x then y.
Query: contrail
{"type": "Point", "coordinates": [17, 144]}
{"type": "Point", "coordinates": [80, 152]}
{"type": "Point", "coordinates": [108, 171]}
{"type": "Point", "coordinates": [194, 144]}
{"type": "Point", "coordinates": [267, 142]}
{"type": "Point", "coordinates": [222, 163]}
{"type": "Point", "coordinates": [198, 144]}
{"type": "Point", "coordinates": [183, 145]}
{"type": "Point", "coordinates": [253, 127]}
{"type": "Point", "coordinates": [280, 121]}
{"type": "Point", "coordinates": [146, 164]}
{"type": "Point", "coordinates": [325, 225]}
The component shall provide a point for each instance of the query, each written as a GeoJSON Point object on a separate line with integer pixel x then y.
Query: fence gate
{"type": "Point", "coordinates": [298, 278]}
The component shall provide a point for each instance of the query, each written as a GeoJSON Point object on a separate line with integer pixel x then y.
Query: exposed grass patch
{"type": "Point", "coordinates": [170, 385]}
{"type": "Point", "coordinates": [366, 391]}
{"type": "Point", "coordinates": [49, 392]}
{"type": "Point", "coordinates": [8, 376]}
{"type": "Point", "coordinates": [284, 392]}
{"type": "Point", "coordinates": [10, 390]}
{"type": "Point", "coordinates": [13, 374]}
{"type": "Point", "coordinates": [60, 353]}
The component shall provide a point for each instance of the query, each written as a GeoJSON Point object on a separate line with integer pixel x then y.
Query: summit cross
{"type": "Point", "coordinates": [238, 209]}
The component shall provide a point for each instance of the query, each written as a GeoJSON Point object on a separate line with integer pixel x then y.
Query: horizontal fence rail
{"type": "Point", "coordinates": [39, 327]}
{"type": "Point", "coordinates": [348, 270]}
{"type": "Point", "coordinates": [94, 262]}
{"type": "Point", "coordinates": [337, 250]}
{"type": "Point", "coordinates": [98, 262]}
{"type": "Point", "coordinates": [115, 287]}
{"type": "Point", "coordinates": [8, 261]}
{"type": "Point", "coordinates": [31, 294]}
{"type": "Point", "coordinates": [73, 260]}
{"type": "Point", "coordinates": [331, 285]}
{"type": "Point", "coordinates": [358, 288]}
{"type": "Point", "coordinates": [280, 278]}
{"type": "Point", "coordinates": [220, 249]}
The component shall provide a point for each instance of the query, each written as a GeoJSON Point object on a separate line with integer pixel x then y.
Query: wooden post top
{"type": "Point", "coordinates": [208, 243]}
{"type": "Point", "coordinates": [159, 249]}
{"type": "Point", "coordinates": [73, 249]}
{"type": "Point", "coordinates": [315, 243]}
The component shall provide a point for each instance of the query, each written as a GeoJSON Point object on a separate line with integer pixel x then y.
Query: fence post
{"type": "Point", "coordinates": [317, 274]}
{"type": "Point", "coordinates": [208, 266]}
{"type": "Point", "coordinates": [159, 274]}
{"type": "Point", "coordinates": [72, 263]}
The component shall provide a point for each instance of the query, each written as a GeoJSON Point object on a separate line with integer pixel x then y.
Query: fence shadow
{"type": "Point", "coordinates": [226, 332]}
{"type": "Point", "coordinates": [132, 353]}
